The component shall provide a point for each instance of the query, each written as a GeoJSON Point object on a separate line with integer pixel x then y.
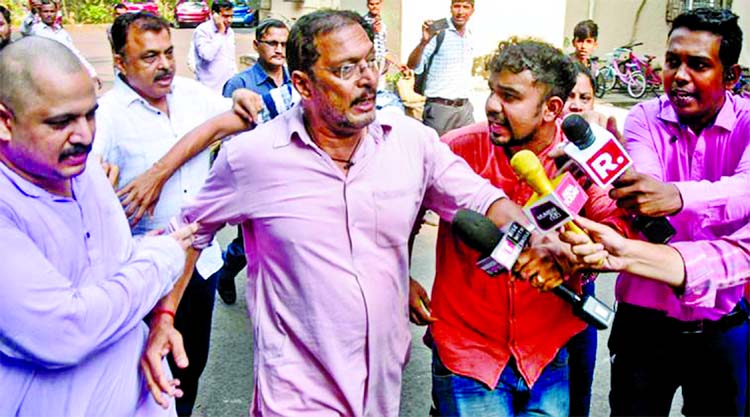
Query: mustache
{"type": "Point", "coordinates": [368, 94]}
{"type": "Point", "coordinates": [163, 74]}
{"type": "Point", "coordinates": [75, 150]}
{"type": "Point", "coordinates": [498, 118]}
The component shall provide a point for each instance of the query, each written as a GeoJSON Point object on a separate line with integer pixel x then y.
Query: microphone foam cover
{"type": "Point", "coordinates": [526, 164]}
{"type": "Point", "coordinates": [476, 231]}
{"type": "Point", "coordinates": [578, 131]}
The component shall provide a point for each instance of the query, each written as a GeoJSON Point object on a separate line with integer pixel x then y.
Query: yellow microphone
{"type": "Point", "coordinates": [529, 169]}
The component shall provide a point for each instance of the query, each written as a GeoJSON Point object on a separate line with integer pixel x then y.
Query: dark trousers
{"type": "Point", "coordinates": [234, 259]}
{"type": "Point", "coordinates": [652, 355]}
{"type": "Point", "coordinates": [582, 361]}
{"type": "Point", "coordinates": [193, 321]}
{"type": "Point", "coordinates": [444, 118]}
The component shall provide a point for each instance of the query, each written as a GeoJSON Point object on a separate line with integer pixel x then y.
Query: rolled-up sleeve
{"type": "Point", "coordinates": [719, 202]}
{"type": "Point", "coordinates": [40, 308]}
{"type": "Point", "coordinates": [711, 265]}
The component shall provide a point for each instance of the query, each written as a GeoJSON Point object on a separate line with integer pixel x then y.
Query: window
{"type": "Point", "coordinates": [675, 7]}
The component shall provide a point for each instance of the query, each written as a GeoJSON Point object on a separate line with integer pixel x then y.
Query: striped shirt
{"type": "Point", "coordinates": [381, 49]}
{"type": "Point", "coordinates": [278, 101]}
{"type": "Point", "coordinates": [450, 72]}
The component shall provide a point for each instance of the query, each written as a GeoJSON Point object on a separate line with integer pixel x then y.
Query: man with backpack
{"type": "Point", "coordinates": [442, 61]}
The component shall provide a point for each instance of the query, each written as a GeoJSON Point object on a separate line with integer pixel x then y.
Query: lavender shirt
{"type": "Point", "coordinates": [74, 290]}
{"type": "Point", "coordinates": [712, 172]}
{"type": "Point", "coordinates": [327, 255]}
{"type": "Point", "coordinates": [215, 63]}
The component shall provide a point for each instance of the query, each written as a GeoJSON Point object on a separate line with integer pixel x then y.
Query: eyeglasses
{"type": "Point", "coordinates": [274, 44]}
{"type": "Point", "coordinates": [349, 71]}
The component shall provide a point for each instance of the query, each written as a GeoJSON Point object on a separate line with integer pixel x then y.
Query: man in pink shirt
{"type": "Point", "coordinates": [326, 195]}
{"type": "Point", "coordinates": [691, 152]}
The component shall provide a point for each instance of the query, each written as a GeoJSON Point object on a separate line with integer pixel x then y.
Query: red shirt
{"type": "Point", "coordinates": [482, 320]}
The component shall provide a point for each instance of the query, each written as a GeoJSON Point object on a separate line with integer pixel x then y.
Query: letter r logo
{"type": "Point", "coordinates": [609, 163]}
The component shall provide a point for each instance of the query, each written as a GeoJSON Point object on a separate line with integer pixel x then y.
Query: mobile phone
{"type": "Point", "coordinates": [439, 25]}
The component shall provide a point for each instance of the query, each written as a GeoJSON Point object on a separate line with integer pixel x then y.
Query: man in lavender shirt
{"type": "Point", "coordinates": [691, 151]}
{"type": "Point", "coordinates": [76, 286]}
{"type": "Point", "coordinates": [214, 47]}
{"type": "Point", "coordinates": [327, 194]}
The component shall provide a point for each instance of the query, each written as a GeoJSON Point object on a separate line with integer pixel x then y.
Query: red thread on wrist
{"type": "Point", "coordinates": [158, 311]}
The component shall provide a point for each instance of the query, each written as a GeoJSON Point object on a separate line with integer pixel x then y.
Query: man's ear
{"type": "Point", "coordinates": [120, 63]}
{"type": "Point", "coordinates": [302, 82]}
{"type": "Point", "coordinates": [6, 123]}
{"type": "Point", "coordinates": [552, 109]}
{"type": "Point", "coordinates": [732, 75]}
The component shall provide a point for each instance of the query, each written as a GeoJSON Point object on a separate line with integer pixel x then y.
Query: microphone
{"type": "Point", "coordinates": [548, 210]}
{"type": "Point", "coordinates": [498, 251]}
{"type": "Point", "coordinates": [479, 233]}
{"type": "Point", "coordinates": [604, 160]}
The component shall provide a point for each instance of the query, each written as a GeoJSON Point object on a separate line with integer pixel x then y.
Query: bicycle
{"type": "Point", "coordinates": [623, 69]}
{"type": "Point", "coordinates": [652, 75]}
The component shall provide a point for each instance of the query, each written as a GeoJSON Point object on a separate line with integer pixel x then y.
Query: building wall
{"type": "Point", "coordinates": [291, 10]}
{"type": "Point", "coordinates": [618, 26]}
{"type": "Point", "coordinates": [493, 21]}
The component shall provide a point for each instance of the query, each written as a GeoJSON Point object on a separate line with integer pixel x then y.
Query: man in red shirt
{"type": "Point", "coordinates": [498, 342]}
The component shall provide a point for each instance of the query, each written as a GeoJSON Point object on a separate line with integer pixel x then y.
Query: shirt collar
{"type": "Point", "coordinates": [725, 119]}
{"type": "Point", "coordinates": [128, 96]}
{"type": "Point", "coordinates": [379, 130]}
{"type": "Point", "coordinates": [54, 28]}
{"type": "Point", "coordinates": [261, 76]}
{"type": "Point", "coordinates": [32, 190]}
{"type": "Point", "coordinates": [452, 27]}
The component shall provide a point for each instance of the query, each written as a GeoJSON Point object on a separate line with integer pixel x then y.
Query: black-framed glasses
{"type": "Point", "coordinates": [273, 44]}
{"type": "Point", "coordinates": [351, 70]}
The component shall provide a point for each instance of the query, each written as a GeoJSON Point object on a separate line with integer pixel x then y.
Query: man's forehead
{"type": "Point", "coordinates": [276, 32]}
{"type": "Point", "coordinates": [508, 79]}
{"type": "Point", "coordinates": [337, 45]}
{"type": "Point", "coordinates": [694, 42]}
{"type": "Point", "coordinates": [56, 94]}
{"type": "Point", "coordinates": [149, 39]}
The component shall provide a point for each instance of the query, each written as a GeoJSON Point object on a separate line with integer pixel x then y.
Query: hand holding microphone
{"type": "Point", "coordinates": [495, 248]}
{"type": "Point", "coordinates": [646, 196]}
{"type": "Point", "coordinates": [547, 212]}
{"type": "Point", "coordinates": [605, 161]}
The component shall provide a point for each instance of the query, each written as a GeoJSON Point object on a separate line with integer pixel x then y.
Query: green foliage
{"type": "Point", "coordinates": [90, 12]}
{"type": "Point", "coordinates": [17, 10]}
{"type": "Point", "coordinates": [166, 9]}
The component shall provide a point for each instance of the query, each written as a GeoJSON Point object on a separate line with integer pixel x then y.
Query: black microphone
{"type": "Point", "coordinates": [498, 252]}
{"type": "Point", "coordinates": [604, 160]}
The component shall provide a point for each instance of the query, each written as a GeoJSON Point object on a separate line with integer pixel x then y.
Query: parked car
{"type": "Point", "coordinates": [191, 12]}
{"type": "Point", "coordinates": [244, 14]}
{"type": "Point", "coordinates": [135, 6]}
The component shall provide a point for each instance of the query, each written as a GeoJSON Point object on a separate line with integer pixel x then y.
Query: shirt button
{"type": "Point", "coordinates": [88, 235]}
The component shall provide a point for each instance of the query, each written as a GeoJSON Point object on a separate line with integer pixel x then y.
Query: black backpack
{"type": "Point", "coordinates": [420, 80]}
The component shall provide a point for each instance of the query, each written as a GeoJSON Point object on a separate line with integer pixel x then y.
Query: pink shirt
{"type": "Point", "coordinates": [712, 172]}
{"type": "Point", "coordinates": [327, 255]}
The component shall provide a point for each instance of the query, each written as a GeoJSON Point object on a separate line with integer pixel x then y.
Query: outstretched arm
{"type": "Point", "coordinates": [613, 252]}
{"type": "Point", "coordinates": [141, 195]}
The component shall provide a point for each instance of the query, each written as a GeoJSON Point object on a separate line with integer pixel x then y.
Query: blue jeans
{"type": "Point", "coordinates": [581, 363]}
{"type": "Point", "coordinates": [455, 395]}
